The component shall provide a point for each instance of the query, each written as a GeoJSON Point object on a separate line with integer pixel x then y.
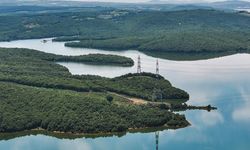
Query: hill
{"type": "Point", "coordinates": [230, 4]}
{"type": "Point", "coordinates": [25, 108]}
{"type": "Point", "coordinates": [184, 31]}
{"type": "Point", "coordinates": [37, 93]}
{"type": "Point", "coordinates": [33, 68]}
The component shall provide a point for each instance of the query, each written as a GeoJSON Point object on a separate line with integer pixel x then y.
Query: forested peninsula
{"type": "Point", "coordinates": [198, 31]}
{"type": "Point", "coordinates": [37, 93]}
{"type": "Point", "coordinates": [95, 59]}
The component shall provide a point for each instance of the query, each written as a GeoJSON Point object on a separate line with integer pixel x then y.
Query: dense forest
{"type": "Point", "coordinates": [24, 108]}
{"type": "Point", "coordinates": [38, 93]}
{"type": "Point", "coordinates": [175, 41]}
{"type": "Point", "coordinates": [35, 68]}
{"type": "Point", "coordinates": [97, 59]}
{"type": "Point", "coordinates": [196, 31]}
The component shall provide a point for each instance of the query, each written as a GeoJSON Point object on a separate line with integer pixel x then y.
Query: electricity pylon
{"type": "Point", "coordinates": [139, 64]}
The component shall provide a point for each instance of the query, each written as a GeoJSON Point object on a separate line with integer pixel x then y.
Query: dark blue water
{"type": "Point", "coordinates": [222, 82]}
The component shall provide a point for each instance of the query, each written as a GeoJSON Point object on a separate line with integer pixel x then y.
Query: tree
{"type": "Point", "coordinates": [109, 98]}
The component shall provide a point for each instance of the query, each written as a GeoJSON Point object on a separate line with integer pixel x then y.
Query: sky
{"type": "Point", "coordinates": [170, 1]}
{"type": "Point", "coordinates": [137, 1]}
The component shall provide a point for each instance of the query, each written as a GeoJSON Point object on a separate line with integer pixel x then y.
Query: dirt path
{"type": "Point", "coordinates": [137, 101]}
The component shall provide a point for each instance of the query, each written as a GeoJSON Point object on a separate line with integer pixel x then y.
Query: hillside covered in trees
{"type": "Point", "coordinates": [38, 93]}
{"type": "Point", "coordinates": [35, 68]}
{"type": "Point", "coordinates": [185, 31]}
{"type": "Point", "coordinates": [25, 107]}
{"type": "Point", "coordinates": [96, 59]}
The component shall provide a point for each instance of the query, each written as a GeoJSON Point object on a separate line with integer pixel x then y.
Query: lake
{"type": "Point", "coordinates": [222, 82]}
{"type": "Point", "coordinates": [244, 9]}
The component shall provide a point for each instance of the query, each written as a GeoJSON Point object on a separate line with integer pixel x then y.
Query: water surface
{"type": "Point", "coordinates": [223, 82]}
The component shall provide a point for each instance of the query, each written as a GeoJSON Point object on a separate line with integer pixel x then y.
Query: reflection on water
{"type": "Point", "coordinates": [187, 56]}
{"type": "Point", "coordinates": [241, 113]}
{"type": "Point", "coordinates": [244, 9]}
{"type": "Point", "coordinates": [157, 134]}
{"type": "Point", "coordinates": [26, 139]}
{"type": "Point", "coordinates": [222, 82]}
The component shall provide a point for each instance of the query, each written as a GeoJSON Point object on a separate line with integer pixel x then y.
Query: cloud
{"type": "Point", "coordinates": [77, 144]}
{"type": "Point", "coordinates": [191, 1]}
{"type": "Point", "coordinates": [168, 1]}
{"type": "Point", "coordinates": [211, 118]}
{"type": "Point", "coordinates": [130, 1]}
{"type": "Point", "coordinates": [139, 1]}
{"type": "Point", "coordinates": [242, 113]}
{"type": "Point", "coordinates": [117, 1]}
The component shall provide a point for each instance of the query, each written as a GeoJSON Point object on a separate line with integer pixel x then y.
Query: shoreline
{"type": "Point", "coordinates": [71, 135]}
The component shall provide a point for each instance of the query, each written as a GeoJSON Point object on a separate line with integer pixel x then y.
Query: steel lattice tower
{"type": "Point", "coordinates": [157, 94]}
{"type": "Point", "coordinates": [139, 65]}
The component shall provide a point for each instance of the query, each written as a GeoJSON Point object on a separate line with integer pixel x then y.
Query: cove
{"type": "Point", "coordinates": [222, 82]}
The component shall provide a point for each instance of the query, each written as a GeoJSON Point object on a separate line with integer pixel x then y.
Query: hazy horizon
{"type": "Point", "coordinates": [128, 1]}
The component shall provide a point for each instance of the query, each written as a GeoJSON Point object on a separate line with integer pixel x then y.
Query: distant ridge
{"type": "Point", "coordinates": [230, 4]}
{"type": "Point", "coordinates": [151, 5]}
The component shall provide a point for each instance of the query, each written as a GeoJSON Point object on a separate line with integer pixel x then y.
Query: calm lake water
{"type": "Point", "coordinates": [222, 82]}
